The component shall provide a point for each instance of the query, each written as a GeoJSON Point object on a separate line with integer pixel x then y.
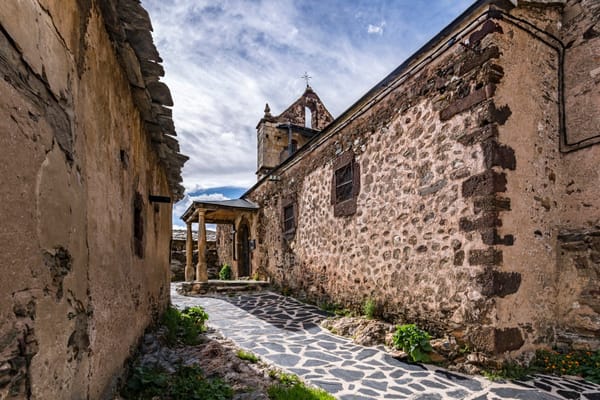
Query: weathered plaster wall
{"type": "Point", "coordinates": [579, 181]}
{"type": "Point", "coordinates": [530, 91]}
{"type": "Point", "coordinates": [554, 194]}
{"type": "Point", "coordinates": [75, 298]}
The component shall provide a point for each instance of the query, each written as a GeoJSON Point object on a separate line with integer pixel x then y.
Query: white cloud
{"type": "Point", "coordinates": [180, 207]}
{"type": "Point", "coordinates": [224, 59]}
{"type": "Point", "coordinates": [376, 29]}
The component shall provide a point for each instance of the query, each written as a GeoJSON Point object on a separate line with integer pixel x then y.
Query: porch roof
{"type": "Point", "coordinates": [218, 212]}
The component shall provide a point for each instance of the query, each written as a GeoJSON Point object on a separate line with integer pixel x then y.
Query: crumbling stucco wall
{"type": "Point", "coordinates": [469, 219]}
{"type": "Point", "coordinates": [77, 168]}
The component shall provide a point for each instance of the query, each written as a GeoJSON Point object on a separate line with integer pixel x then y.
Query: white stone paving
{"type": "Point", "coordinates": [286, 334]}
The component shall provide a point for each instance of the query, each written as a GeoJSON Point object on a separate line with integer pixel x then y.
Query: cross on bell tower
{"type": "Point", "coordinates": [306, 78]}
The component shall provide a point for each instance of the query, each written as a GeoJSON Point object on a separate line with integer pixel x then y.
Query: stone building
{"type": "Point", "coordinates": [460, 193]}
{"type": "Point", "coordinates": [89, 170]}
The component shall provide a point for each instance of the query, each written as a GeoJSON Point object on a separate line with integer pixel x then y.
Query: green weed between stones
{"type": "Point", "coordinates": [290, 387]}
{"type": "Point", "coordinates": [414, 341]}
{"type": "Point", "coordinates": [369, 308]}
{"type": "Point", "coordinates": [335, 308]}
{"type": "Point", "coordinates": [246, 355]}
{"type": "Point", "coordinates": [225, 273]}
{"type": "Point", "coordinates": [187, 383]}
{"type": "Point", "coordinates": [509, 370]}
{"type": "Point", "coordinates": [184, 326]}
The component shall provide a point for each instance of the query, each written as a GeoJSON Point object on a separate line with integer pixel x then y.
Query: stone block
{"type": "Point", "coordinates": [495, 340]}
{"type": "Point", "coordinates": [486, 221]}
{"type": "Point", "coordinates": [491, 203]}
{"type": "Point", "coordinates": [488, 256]}
{"type": "Point", "coordinates": [478, 135]}
{"type": "Point", "coordinates": [491, 237]}
{"type": "Point", "coordinates": [486, 183]}
{"type": "Point", "coordinates": [474, 60]}
{"type": "Point", "coordinates": [490, 114]}
{"type": "Point", "coordinates": [498, 155]}
{"type": "Point", "coordinates": [487, 28]}
{"type": "Point", "coordinates": [465, 103]}
{"type": "Point", "coordinates": [497, 283]}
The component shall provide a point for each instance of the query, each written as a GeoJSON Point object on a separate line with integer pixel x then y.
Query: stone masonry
{"type": "Point", "coordinates": [473, 214]}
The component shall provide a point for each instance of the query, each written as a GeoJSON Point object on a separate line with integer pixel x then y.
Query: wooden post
{"type": "Point", "coordinates": [201, 270]}
{"type": "Point", "coordinates": [189, 254]}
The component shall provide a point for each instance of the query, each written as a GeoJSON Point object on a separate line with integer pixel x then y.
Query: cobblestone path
{"type": "Point", "coordinates": [286, 333]}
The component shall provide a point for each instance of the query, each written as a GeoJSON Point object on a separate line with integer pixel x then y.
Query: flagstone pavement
{"type": "Point", "coordinates": [286, 333]}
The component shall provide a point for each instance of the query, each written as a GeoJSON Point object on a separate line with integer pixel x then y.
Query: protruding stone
{"type": "Point", "coordinates": [160, 93]}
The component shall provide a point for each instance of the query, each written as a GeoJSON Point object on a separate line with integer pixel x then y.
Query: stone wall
{"type": "Point", "coordinates": [84, 252]}
{"type": "Point", "coordinates": [178, 254]}
{"type": "Point", "coordinates": [463, 191]}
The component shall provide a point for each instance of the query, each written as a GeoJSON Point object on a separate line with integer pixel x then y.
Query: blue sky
{"type": "Point", "coordinates": [224, 59]}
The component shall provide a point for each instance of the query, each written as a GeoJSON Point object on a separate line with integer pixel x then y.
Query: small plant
{"type": "Point", "coordinates": [335, 308]}
{"type": "Point", "coordinates": [225, 272]}
{"type": "Point", "coordinates": [509, 370]}
{"type": "Point", "coordinates": [255, 276]}
{"type": "Point", "coordinates": [298, 391]}
{"type": "Point", "coordinates": [290, 387]}
{"type": "Point", "coordinates": [414, 341]}
{"type": "Point", "coordinates": [186, 383]}
{"type": "Point", "coordinates": [583, 363]}
{"type": "Point", "coordinates": [246, 355]}
{"type": "Point", "coordinates": [184, 326]}
{"type": "Point", "coordinates": [369, 308]}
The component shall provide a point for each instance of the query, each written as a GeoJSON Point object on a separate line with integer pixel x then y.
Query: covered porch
{"type": "Point", "coordinates": [240, 214]}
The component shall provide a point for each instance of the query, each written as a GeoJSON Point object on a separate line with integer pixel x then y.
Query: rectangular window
{"type": "Point", "coordinates": [343, 183]}
{"type": "Point", "coordinates": [289, 223]}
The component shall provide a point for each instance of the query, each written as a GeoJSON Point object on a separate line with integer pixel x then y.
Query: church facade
{"type": "Point", "coordinates": [460, 193]}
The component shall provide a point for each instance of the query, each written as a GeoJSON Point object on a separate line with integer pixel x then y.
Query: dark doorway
{"type": "Point", "coordinates": [243, 250]}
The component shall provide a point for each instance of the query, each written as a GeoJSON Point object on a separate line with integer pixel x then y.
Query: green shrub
{"type": "Point", "coordinates": [369, 308]}
{"type": "Point", "coordinates": [582, 363]}
{"type": "Point", "coordinates": [414, 341]}
{"type": "Point", "coordinates": [186, 383]}
{"type": "Point", "coordinates": [225, 273]}
{"type": "Point", "coordinates": [184, 326]}
{"type": "Point", "coordinates": [246, 355]}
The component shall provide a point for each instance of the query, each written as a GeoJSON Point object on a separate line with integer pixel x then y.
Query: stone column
{"type": "Point", "coordinates": [189, 254]}
{"type": "Point", "coordinates": [201, 270]}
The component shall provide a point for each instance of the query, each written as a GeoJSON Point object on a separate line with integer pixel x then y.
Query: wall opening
{"type": "Point", "coordinates": [138, 225]}
{"type": "Point", "coordinates": [307, 117]}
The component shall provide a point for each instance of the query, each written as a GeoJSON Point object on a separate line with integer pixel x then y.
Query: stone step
{"type": "Point", "coordinates": [218, 286]}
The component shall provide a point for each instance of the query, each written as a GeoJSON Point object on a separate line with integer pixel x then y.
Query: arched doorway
{"type": "Point", "coordinates": [243, 249]}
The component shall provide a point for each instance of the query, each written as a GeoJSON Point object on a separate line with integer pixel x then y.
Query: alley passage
{"type": "Point", "coordinates": [286, 334]}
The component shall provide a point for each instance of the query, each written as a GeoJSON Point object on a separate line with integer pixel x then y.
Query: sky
{"type": "Point", "coordinates": [224, 59]}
